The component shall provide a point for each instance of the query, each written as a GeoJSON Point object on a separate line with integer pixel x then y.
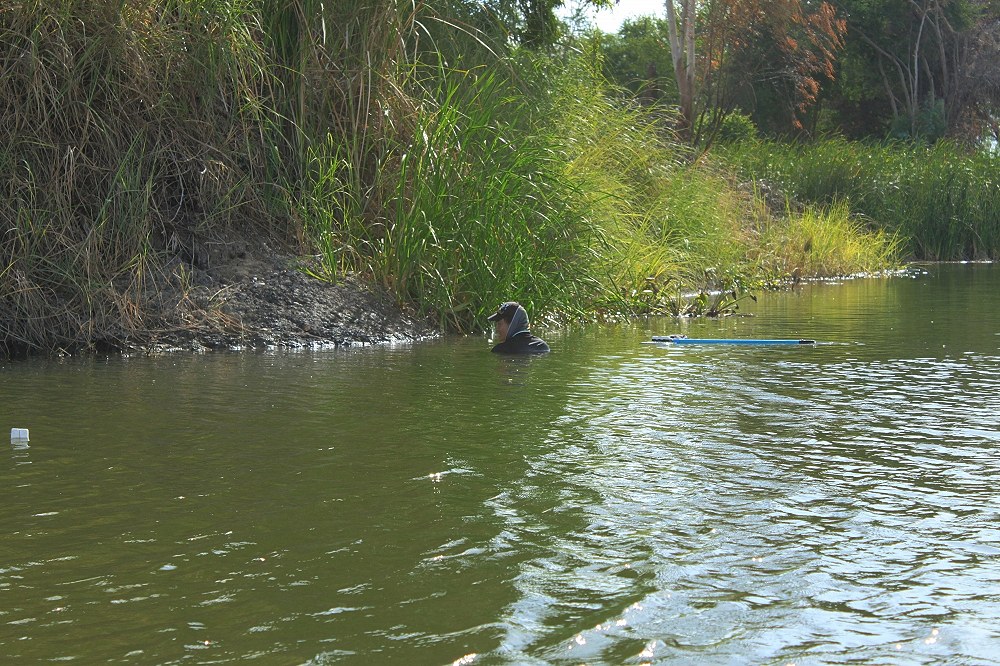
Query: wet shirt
{"type": "Point", "coordinates": [521, 343]}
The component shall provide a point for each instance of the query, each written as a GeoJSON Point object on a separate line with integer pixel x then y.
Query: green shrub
{"type": "Point", "coordinates": [737, 127]}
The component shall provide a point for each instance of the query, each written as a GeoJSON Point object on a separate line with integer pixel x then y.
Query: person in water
{"type": "Point", "coordinates": [511, 323]}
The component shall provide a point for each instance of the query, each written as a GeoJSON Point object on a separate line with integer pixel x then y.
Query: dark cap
{"type": "Point", "coordinates": [505, 311]}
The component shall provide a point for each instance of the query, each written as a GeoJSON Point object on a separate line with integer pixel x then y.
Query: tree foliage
{"type": "Point", "coordinates": [727, 52]}
{"type": "Point", "coordinates": [531, 23]}
{"type": "Point", "coordinates": [917, 69]}
{"type": "Point", "coordinates": [638, 57]}
{"type": "Point", "coordinates": [920, 69]}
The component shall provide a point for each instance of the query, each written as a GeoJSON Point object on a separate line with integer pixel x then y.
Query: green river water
{"type": "Point", "coordinates": [613, 502]}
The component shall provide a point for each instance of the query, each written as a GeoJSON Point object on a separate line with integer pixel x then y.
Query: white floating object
{"type": "Point", "coordinates": [19, 434]}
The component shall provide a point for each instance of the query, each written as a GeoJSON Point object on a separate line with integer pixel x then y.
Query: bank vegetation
{"type": "Point", "coordinates": [418, 146]}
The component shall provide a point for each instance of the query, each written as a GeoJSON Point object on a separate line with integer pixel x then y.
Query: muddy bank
{"type": "Point", "coordinates": [267, 301]}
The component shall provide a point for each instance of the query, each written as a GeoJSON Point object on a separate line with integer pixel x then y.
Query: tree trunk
{"type": "Point", "coordinates": [683, 58]}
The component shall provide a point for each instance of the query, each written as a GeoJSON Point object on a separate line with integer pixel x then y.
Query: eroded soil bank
{"type": "Point", "coordinates": [266, 300]}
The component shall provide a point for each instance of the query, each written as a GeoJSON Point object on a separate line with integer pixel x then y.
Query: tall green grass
{"type": "Point", "coordinates": [545, 187]}
{"type": "Point", "coordinates": [662, 219]}
{"type": "Point", "coordinates": [473, 211]}
{"type": "Point", "coordinates": [822, 241]}
{"type": "Point", "coordinates": [671, 222]}
{"type": "Point", "coordinates": [942, 200]}
{"type": "Point", "coordinates": [132, 132]}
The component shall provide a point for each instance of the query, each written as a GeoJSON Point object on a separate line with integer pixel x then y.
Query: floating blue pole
{"type": "Point", "coordinates": [684, 340]}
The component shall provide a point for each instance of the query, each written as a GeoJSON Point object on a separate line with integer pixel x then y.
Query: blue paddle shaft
{"type": "Point", "coordinates": [726, 341]}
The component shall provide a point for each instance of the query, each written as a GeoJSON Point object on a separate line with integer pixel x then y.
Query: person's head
{"type": "Point", "coordinates": [505, 316]}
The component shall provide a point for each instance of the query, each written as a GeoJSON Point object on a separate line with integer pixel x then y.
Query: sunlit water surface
{"type": "Point", "coordinates": [614, 502]}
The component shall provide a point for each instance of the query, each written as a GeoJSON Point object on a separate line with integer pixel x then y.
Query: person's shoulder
{"type": "Point", "coordinates": [522, 344]}
{"type": "Point", "coordinates": [537, 345]}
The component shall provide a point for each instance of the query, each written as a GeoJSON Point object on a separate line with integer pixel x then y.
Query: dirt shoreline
{"type": "Point", "coordinates": [267, 301]}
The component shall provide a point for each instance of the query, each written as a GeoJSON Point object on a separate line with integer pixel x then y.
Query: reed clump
{"type": "Point", "coordinates": [942, 201]}
{"type": "Point", "coordinates": [472, 209]}
{"type": "Point", "coordinates": [132, 133]}
{"type": "Point", "coordinates": [823, 241]}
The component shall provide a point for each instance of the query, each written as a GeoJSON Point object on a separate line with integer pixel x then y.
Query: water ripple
{"type": "Point", "coordinates": [768, 513]}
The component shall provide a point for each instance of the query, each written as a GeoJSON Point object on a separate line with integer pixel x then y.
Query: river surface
{"type": "Point", "coordinates": [614, 502]}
